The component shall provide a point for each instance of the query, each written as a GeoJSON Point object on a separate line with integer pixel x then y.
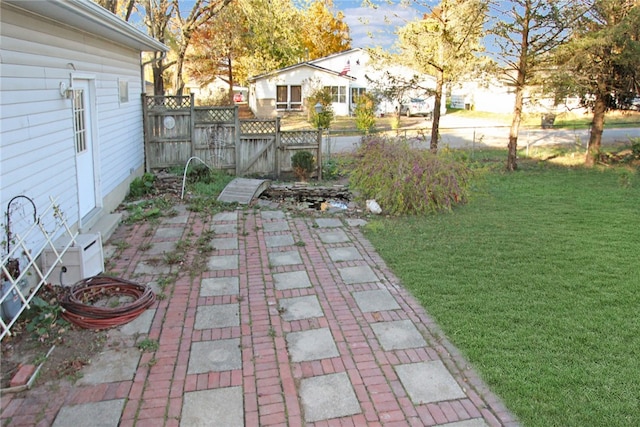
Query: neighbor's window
{"type": "Point", "coordinates": [357, 92]}
{"type": "Point", "coordinates": [338, 94]}
{"type": "Point", "coordinates": [288, 97]}
{"type": "Point", "coordinates": [123, 91]}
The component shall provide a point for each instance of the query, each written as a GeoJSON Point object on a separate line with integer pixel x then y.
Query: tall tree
{"type": "Point", "coordinates": [156, 19]}
{"type": "Point", "coordinates": [216, 47]}
{"type": "Point", "coordinates": [525, 32]}
{"type": "Point", "coordinates": [200, 13]}
{"type": "Point", "coordinates": [324, 32]}
{"type": "Point", "coordinates": [444, 44]}
{"type": "Point", "coordinates": [601, 62]}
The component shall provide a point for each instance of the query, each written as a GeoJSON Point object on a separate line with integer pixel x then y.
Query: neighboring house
{"type": "Point", "coordinates": [217, 89]}
{"type": "Point", "coordinates": [348, 74]}
{"type": "Point", "coordinates": [71, 126]}
{"type": "Point", "coordinates": [495, 96]}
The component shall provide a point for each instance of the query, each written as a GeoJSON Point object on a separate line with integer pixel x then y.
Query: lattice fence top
{"type": "Point", "coordinates": [168, 102]}
{"type": "Point", "coordinates": [258, 126]}
{"type": "Point", "coordinates": [299, 137]}
{"type": "Point", "coordinates": [215, 114]}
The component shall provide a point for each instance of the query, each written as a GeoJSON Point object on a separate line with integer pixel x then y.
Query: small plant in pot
{"type": "Point", "coordinates": [303, 164]}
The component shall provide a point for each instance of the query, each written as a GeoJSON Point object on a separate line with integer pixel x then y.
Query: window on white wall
{"type": "Point", "coordinates": [123, 91]}
{"type": "Point", "coordinates": [289, 97]}
{"type": "Point", "coordinates": [357, 92]}
{"type": "Point", "coordinates": [338, 94]}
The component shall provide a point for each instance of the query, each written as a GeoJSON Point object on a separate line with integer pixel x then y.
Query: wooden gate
{"type": "Point", "coordinates": [168, 129]}
{"type": "Point", "coordinates": [176, 131]}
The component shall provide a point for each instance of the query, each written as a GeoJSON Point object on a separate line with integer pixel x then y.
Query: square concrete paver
{"type": "Point", "coordinates": [398, 335]}
{"type": "Point", "coordinates": [217, 286]}
{"type": "Point", "coordinates": [223, 262]}
{"type": "Point", "coordinates": [111, 366]}
{"type": "Point", "coordinates": [378, 300]}
{"type": "Point", "coordinates": [225, 228]}
{"type": "Point", "coordinates": [328, 222]}
{"type": "Point", "coordinates": [218, 355]}
{"type": "Point", "coordinates": [344, 254]}
{"type": "Point", "coordinates": [328, 396]}
{"type": "Point", "coordinates": [169, 233]}
{"type": "Point", "coordinates": [224, 243]}
{"type": "Point", "coordinates": [356, 222]}
{"type": "Point", "coordinates": [178, 219]}
{"type": "Point", "coordinates": [160, 248]}
{"type": "Point", "coordinates": [334, 236]}
{"type": "Point", "coordinates": [139, 325]}
{"type": "Point", "coordinates": [428, 382]}
{"type": "Point", "coordinates": [359, 274]}
{"type": "Point", "coordinates": [292, 280]}
{"type": "Point", "coordinates": [272, 214]}
{"type": "Point", "coordinates": [300, 308]}
{"type": "Point", "coordinates": [103, 414]}
{"type": "Point", "coordinates": [275, 226]}
{"type": "Point", "coordinates": [280, 240]}
{"type": "Point", "coordinates": [217, 316]}
{"type": "Point", "coordinates": [144, 268]}
{"type": "Point", "coordinates": [226, 216]}
{"type": "Point", "coordinates": [221, 407]}
{"type": "Point", "coordinates": [284, 258]}
{"type": "Point", "coordinates": [313, 344]}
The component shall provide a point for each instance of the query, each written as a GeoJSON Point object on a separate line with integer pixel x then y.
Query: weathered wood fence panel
{"type": "Point", "coordinates": [175, 131]}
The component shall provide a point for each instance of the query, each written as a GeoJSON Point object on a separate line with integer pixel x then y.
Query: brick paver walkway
{"type": "Point", "coordinates": [292, 321]}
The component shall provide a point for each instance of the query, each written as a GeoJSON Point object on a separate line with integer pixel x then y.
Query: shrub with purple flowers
{"type": "Point", "coordinates": [406, 180]}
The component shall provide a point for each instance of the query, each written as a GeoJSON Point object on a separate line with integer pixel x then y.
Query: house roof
{"type": "Point", "coordinates": [334, 55]}
{"type": "Point", "coordinates": [88, 16]}
{"type": "Point", "coordinates": [307, 64]}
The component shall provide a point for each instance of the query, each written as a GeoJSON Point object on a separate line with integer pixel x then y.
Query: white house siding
{"type": "Point", "coordinates": [37, 156]}
{"type": "Point", "coordinates": [262, 98]}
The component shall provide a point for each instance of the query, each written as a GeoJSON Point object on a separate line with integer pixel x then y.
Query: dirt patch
{"type": "Point", "coordinates": [74, 346]}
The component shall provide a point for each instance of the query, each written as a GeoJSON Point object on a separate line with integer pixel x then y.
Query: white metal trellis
{"type": "Point", "coordinates": [20, 247]}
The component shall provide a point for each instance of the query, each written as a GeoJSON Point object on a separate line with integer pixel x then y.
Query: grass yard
{"type": "Point", "coordinates": [537, 282]}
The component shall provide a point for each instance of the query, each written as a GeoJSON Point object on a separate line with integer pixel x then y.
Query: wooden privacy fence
{"type": "Point", "coordinates": [175, 131]}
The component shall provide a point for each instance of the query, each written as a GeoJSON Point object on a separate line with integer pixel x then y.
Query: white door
{"type": "Point", "coordinates": [84, 147]}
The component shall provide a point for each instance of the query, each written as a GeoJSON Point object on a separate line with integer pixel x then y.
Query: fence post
{"type": "Point", "coordinates": [192, 124]}
{"type": "Point", "coordinates": [236, 114]}
{"type": "Point", "coordinates": [277, 150]}
{"type": "Point", "coordinates": [319, 156]}
{"type": "Point", "coordinates": [146, 132]}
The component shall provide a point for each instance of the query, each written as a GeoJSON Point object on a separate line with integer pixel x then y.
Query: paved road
{"type": "Point", "coordinates": [495, 136]}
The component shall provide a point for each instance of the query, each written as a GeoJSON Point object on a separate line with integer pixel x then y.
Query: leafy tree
{"type": "Point", "coordinates": [444, 44]}
{"type": "Point", "coordinates": [324, 33]}
{"type": "Point", "coordinates": [217, 45]}
{"type": "Point", "coordinates": [322, 96]}
{"type": "Point", "coordinates": [365, 113]}
{"type": "Point", "coordinates": [184, 28]}
{"type": "Point", "coordinates": [525, 33]}
{"type": "Point", "coordinates": [601, 62]}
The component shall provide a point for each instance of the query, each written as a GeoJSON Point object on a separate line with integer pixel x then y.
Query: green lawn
{"type": "Point", "coordinates": [537, 282]}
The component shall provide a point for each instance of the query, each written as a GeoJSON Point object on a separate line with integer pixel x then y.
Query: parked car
{"type": "Point", "coordinates": [417, 107]}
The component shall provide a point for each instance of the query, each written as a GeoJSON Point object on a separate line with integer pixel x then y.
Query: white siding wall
{"type": "Point", "coordinates": [37, 156]}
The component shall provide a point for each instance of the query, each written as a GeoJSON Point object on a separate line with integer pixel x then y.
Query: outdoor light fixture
{"type": "Point", "coordinates": [318, 108]}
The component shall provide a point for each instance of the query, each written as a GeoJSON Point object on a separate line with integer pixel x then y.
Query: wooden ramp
{"type": "Point", "coordinates": [243, 190]}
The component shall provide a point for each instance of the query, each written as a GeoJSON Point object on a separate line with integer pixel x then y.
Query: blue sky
{"type": "Point", "coordinates": [374, 27]}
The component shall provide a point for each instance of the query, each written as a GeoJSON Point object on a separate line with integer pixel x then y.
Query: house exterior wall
{"type": "Point", "coordinates": [262, 95]}
{"type": "Point", "coordinates": [37, 156]}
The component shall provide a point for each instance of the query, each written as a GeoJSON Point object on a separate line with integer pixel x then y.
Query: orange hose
{"type": "Point", "coordinates": [79, 310]}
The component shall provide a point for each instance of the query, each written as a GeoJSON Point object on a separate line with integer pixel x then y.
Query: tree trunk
{"type": "Point", "coordinates": [157, 68]}
{"type": "Point", "coordinates": [230, 78]}
{"type": "Point", "coordinates": [435, 128]}
{"type": "Point", "coordinates": [597, 127]}
{"type": "Point", "coordinates": [178, 85]}
{"type": "Point", "coordinates": [512, 155]}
